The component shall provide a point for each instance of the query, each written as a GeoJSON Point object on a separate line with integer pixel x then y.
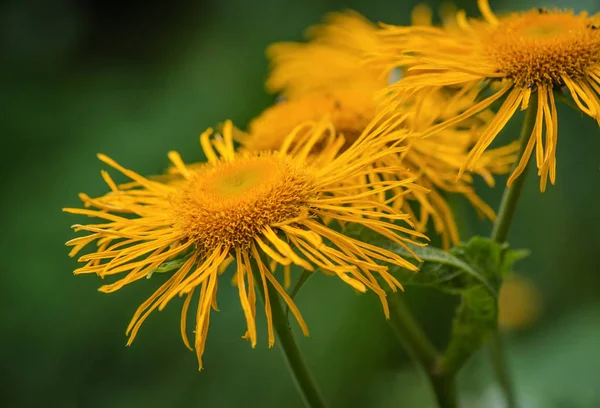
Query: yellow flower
{"type": "Point", "coordinates": [327, 78]}
{"type": "Point", "coordinates": [332, 60]}
{"type": "Point", "coordinates": [257, 207]}
{"type": "Point", "coordinates": [519, 303]}
{"type": "Point", "coordinates": [519, 55]}
{"type": "Point", "coordinates": [349, 111]}
{"type": "Point", "coordinates": [434, 161]}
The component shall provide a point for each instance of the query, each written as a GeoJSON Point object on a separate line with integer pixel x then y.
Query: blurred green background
{"type": "Point", "coordinates": [137, 79]}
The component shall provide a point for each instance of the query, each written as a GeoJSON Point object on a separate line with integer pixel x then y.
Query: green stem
{"type": "Point", "coordinates": [417, 344]}
{"type": "Point", "coordinates": [291, 352]}
{"type": "Point", "coordinates": [511, 194]}
{"type": "Point", "coordinates": [411, 335]}
{"type": "Point", "coordinates": [496, 349]}
{"type": "Point", "coordinates": [445, 390]}
{"type": "Point", "coordinates": [508, 205]}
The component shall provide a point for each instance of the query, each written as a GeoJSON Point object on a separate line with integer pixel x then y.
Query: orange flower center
{"type": "Point", "coordinates": [349, 112]}
{"type": "Point", "coordinates": [230, 203]}
{"type": "Point", "coordinates": [542, 47]}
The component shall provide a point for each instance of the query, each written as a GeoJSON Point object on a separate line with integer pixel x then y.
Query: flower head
{"type": "Point", "coordinates": [260, 208]}
{"type": "Point", "coordinates": [348, 111]}
{"type": "Point", "coordinates": [318, 86]}
{"type": "Point", "coordinates": [519, 303]}
{"type": "Point", "coordinates": [332, 60]}
{"type": "Point", "coordinates": [520, 55]}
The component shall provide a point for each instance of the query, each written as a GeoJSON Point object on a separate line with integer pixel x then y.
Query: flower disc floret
{"type": "Point", "coordinates": [231, 202]}
{"type": "Point", "coordinates": [541, 47]}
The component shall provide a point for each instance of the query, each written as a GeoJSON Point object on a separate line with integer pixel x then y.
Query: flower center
{"type": "Point", "coordinates": [230, 203]}
{"type": "Point", "coordinates": [348, 111]}
{"type": "Point", "coordinates": [544, 29]}
{"type": "Point", "coordinates": [235, 181]}
{"type": "Point", "coordinates": [542, 47]}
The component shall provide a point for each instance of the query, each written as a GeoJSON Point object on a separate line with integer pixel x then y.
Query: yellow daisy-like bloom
{"type": "Point", "coordinates": [260, 208]}
{"type": "Point", "coordinates": [327, 78]}
{"type": "Point", "coordinates": [332, 60]}
{"type": "Point", "coordinates": [349, 112]}
{"type": "Point", "coordinates": [519, 303]}
{"type": "Point", "coordinates": [520, 55]}
{"type": "Point", "coordinates": [434, 161]}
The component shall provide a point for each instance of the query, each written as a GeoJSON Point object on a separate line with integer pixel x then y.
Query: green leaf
{"type": "Point", "coordinates": [512, 256]}
{"type": "Point", "coordinates": [481, 261]}
{"type": "Point", "coordinates": [476, 316]}
{"type": "Point", "coordinates": [473, 270]}
{"type": "Point", "coordinates": [441, 270]}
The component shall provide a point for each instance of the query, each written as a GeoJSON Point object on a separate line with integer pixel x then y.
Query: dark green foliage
{"type": "Point", "coordinates": [472, 270]}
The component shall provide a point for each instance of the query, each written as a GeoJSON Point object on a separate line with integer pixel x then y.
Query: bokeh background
{"type": "Point", "coordinates": [136, 79]}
